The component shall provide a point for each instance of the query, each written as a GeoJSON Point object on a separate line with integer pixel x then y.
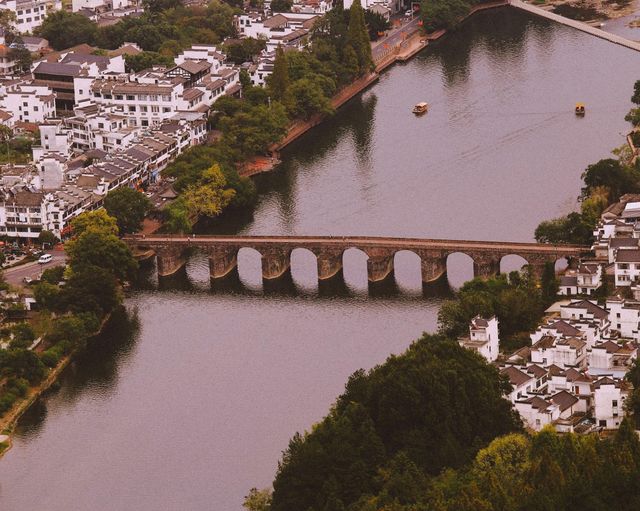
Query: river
{"type": "Point", "coordinates": [188, 399]}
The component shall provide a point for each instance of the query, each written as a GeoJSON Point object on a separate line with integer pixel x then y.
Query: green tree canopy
{"type": "Point", "coordinates": [278, 81]}
{"type": "Point", "coordinates": [432, 407]}
{"type": "Point", "coordinates": [612, 175]}
{"type": "Point", "coordinates": [281, 5]}
{"type": "Point", "coordinates": [146, 60]}
{"type": "Point", "coordinates": [129, 207]}
{"type": "Point", "coordinates": [48, 238]}
{"type": "Point", "coordinates": [358, 37]}
{"type": "Point", "coordinates": [438, 14]}
{"type": "Point", "coordinates": [98, 220]}
{"type": "Point", "coordinates": [65, 29]}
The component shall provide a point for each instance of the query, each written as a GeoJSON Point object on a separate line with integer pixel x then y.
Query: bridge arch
{"type": "Point", "coordinates": [512, 262]}
{"type": "Point", "coordinates": [407, 268]}
{"type": "Point", "coordinates": [460, 268]}
{"type": "Point", "coordinates": [304, 266]}
{"type": "Point", "coordinates": [249, 263]}
{"type": "Point", "coordinates": [354, 264]}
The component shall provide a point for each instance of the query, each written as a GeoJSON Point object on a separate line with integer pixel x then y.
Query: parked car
{"type": "Point", "coordinates": [44, 259]}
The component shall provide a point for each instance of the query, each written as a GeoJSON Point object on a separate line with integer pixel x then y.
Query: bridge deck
{"type": "Point", "coordinates": [358, 241]}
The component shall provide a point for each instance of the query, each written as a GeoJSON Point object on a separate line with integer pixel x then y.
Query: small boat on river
{"type": "Point", "coordinates": [421, 108]}
{"type": "Point", "coordinates": [580, 109]}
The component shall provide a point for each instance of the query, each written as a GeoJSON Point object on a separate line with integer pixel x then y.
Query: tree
{"type": "Point", "coordinates": [47, 238]}
{"type": "Point", "coordinates": [101, 250]}
{"type": "Point", "coordinates": [90, 289]}
{"type": "Point", "coordinates": [98, 220]}
{"type": "Point", "coordinates": [358, 37]}
{"type": "Point", "coordinates": [306, 98]}
{"type": "Point", "coordinates": [96, 244]}
{"type": "Point", "coordinates": [210, 196]}
{"type": "Point", "coordinates": [567, 229]}
{"type": "Point", "coordinates": [257, 500]}
{"type": "Point", "coordinates": [129, 207]}
{"type": "Point", "coordinates": [612, 175]}
{"type": "Point", "coordinates": [22, 58]}
{"type": "Point", "coordinates": [549, 283]}
{"type": "Point", "coordinates": [65, 29]}
{"type": "Point", "coordinates": [278, 81]}
{"type": "Point", "coordinates": [281, 6]}
{"type": "Point", "coordinates": [8, 20]}
{"type": "Point", "coordinates": [438, 14]}
{"type": "Point", "coordinates": [253, 130]}
{"type": "Point", "coordinates": [176, 217]}
{"type": "Point", "coordinates": [432, 407]}
{"type": "Point", "coordinates": [376, 23]}
{"type": "Point", "coordinates": [244, 50]}
{"type": "Point", "coordinates": [145, 60]}
{"type": "Point", "coordinates": [636, 93]}
{"type": "Point", "coordinates": [156, 6]}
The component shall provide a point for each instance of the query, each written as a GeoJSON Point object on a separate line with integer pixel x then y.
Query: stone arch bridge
{"type": "Point", "coordinates": [171, 252]}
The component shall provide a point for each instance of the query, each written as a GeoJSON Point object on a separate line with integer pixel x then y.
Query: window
{"type": "Point", "coordinates": [130, 97]}
{"type": "Point", "coordinates": [101, 125]}
{"type": "Point", "coordinates": [142, 97]}
{"type": "Point", "coordinates": [25, 104]}
{"type": "Point", "coordinates": [35, 108]}
{"type": "Point", "coordinates": [166, 109]}
{"type": "Point", "coordinates": [155, 109]}
{"type": "Point", "coordinates": [623, 266]}
{"type": "Point", "coordinates": [166, 97]}
{"type": "Point", "coordinates": [617, 315]}
{"type": "Point", "coordinates": [143, 108]}
{"type": "Point", "coordinates": [153, 97]}
{"type": "Point", "coordinates": [145, 122]}
{"type": "Point", "coordinates": [119, 96]}
{"type": "Point", "coordinates": [132, 108]}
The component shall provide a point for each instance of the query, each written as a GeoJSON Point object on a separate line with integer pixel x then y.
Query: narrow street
{"type": "Point", "coordinates": [15, 276]}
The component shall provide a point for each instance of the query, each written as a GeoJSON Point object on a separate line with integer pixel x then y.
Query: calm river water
{"type": "Point", "coordinates": [190, 397]}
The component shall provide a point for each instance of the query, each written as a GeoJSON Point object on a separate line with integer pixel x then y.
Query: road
{"type": "Point", "coordinates": [15, 276]}
{"type": "Point", "coordinates": [395, 37]}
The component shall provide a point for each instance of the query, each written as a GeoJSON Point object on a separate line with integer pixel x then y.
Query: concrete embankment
{"type": "Point", "coordinates": [578, 25]}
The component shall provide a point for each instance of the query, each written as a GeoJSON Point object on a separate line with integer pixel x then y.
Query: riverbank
{"type": "Point", "coordinates": [9, 420]}
{"type": "Point", "coordinates": [412, 42]}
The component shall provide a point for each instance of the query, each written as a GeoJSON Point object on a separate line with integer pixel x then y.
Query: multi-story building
{"type": "Point", "coordinates": [609, 396]}
{"type": "Point", "coordinates": [627, 266]}
{"type": "Point", "coordinates": [30, 13]}
{"type": "Point", "coordinates": [483, 337]}
{"type": "Point", "coordinates": [28, 103]}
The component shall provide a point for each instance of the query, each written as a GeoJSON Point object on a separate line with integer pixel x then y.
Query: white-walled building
{"type": "Point", "coordinates": [29, 103]}
{"type": "Point", "coordinates": [627, 266]}
{"type": "Point", "coordinates": [609, 395]}
{"type": "Point", "coordinates": [483, 337]}
{"type": "Point", "coordinates": [30, 13]}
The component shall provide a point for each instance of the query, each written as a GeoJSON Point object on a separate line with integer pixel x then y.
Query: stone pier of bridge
{"type": "Point", "coordinates": [223, 260]}
{"type": "Point", "coordinates": [170, 259]}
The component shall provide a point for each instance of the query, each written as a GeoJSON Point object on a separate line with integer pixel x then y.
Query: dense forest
{"type": "Point", "coordinates": [430, 430]}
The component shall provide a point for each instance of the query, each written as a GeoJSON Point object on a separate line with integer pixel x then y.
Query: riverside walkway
{"type": "Point", "coordinates": [171, 252]}
{"type": "Point", "coordinates": [578, 25]}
